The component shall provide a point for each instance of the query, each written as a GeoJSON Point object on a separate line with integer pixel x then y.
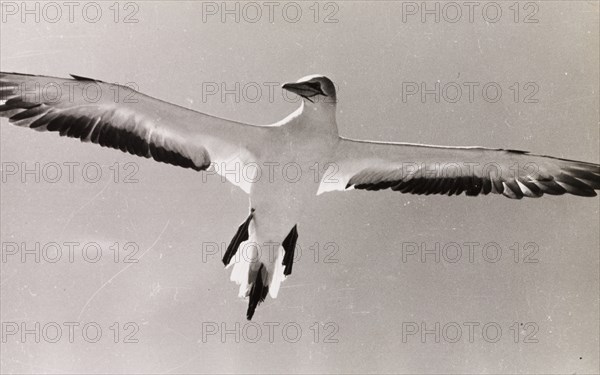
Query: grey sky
{"type": "Point", "coordinates": [172, 293]}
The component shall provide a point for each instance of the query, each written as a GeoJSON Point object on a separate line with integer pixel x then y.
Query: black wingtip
{"type": "Point", "coordinates": [82, 78]}
{"type": "Point", "coordinates": [258, 293]}
{"type": "Point", "coordinates": [4, 74]}
{"type": "Point", "coordinates": [74, 76]}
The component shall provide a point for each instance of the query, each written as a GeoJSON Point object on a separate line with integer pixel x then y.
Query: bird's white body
{"type": "Point", "coordinates": [288, 176]}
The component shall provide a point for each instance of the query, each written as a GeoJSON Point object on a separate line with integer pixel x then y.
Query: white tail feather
{"type": "Point", "coordinates": [242, 262]}
{"type": "Point", "coordinates": [278, 275]}
{"type": "Point", "coordinates": [241, 267]}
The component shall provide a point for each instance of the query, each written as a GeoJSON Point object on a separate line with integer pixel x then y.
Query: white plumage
{"type": "Point", "coordinates": [305, 146]}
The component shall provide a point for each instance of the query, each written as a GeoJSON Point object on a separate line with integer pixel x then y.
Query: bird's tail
{"type": "Point", "coordinates": [258, 289]}
{"type": "Point", "coordinates": [256, 272]}
{"type": "Point", "coordinates": [257, 276]}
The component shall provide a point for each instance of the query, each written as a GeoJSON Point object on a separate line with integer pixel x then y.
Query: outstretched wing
{"type": "Point", "coordinates": [119, 117]}
{"type": "Point", "coordinates": [423, 169]}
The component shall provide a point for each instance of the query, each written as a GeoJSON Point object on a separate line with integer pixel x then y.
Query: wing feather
{"type": "Point", "coordinates": [425, 170]}
{"type": "Point", "coordinates": [141, 126]}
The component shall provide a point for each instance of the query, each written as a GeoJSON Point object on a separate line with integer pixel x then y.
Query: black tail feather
{"type": "Point", "coordinates": [240, 236]}
{"type": "Point", "coordinates": [258, 293]}
{"type": "Point", "coordinates": [289, 245]}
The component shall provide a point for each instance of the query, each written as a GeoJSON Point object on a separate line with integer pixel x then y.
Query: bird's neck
{"type": "Point", "coordinates": [319, 116]}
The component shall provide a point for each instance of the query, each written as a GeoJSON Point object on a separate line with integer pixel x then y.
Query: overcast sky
{"type": "Point", "coordinates": [177, 293]}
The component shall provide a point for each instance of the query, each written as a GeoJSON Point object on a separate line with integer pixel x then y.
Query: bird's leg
{"type": "Point", "coordinates": [240, 236]}
{"type": "Point", "coordinates": [289, 245]}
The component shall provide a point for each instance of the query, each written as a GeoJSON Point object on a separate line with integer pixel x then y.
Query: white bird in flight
{"type": "Point", "coordinates": [262, 250]}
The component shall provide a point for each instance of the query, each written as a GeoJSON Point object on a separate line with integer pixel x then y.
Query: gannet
{"type": "Point", "coordinates": [262, 250]}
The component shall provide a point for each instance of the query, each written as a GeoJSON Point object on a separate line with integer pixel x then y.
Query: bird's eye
{"type": "Point", "coordinates": [317, 87]}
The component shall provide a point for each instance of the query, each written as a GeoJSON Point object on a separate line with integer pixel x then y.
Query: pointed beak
{"type": "Point", "coordinates": [304, 89]}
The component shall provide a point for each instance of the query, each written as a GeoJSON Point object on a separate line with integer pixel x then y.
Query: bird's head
{"type": "Point", "coordinates": [314, 89]}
